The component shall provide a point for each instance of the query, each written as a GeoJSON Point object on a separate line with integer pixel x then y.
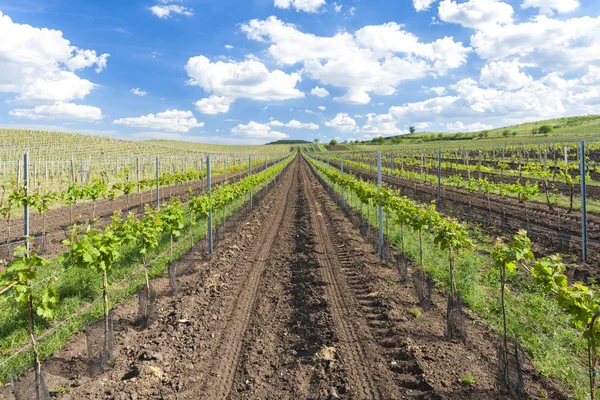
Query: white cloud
{"type": "Point", "coordinates": [228, 46]}
{"type": "Point", "coordinates": [170, 120]}
{"type": "Point", "coordinates": [543, 42]}
{"type": "Point", "coordinates": [504, 75]}
{"type": "Point", "coordinates": [381, 125]}
{"type": "Point", "coordinates": [310, 6]}
{"type": "Point", "coordinates": [375, 59]}
{"type": "Point", "coordinates": [87, 58]}
{"type": "Point", "coordinates": [547, 6]}
{"type": "Point", "coordinates": [337, 7]}
{"type": "Point", "coordinates": [342, 123]}
{"type": "Point", "coordinates": [294, 124]}
{"type": "Point", "coordinates": [138, 92]}
{"type": "Point", "coordinates": [322, 108]}
{"type": "Point", "coordinates": [165, 11]}
{"type": "Point", "coordinates": [354, 96]}
{"type": "Point", "coordinates": [478, 14]}
{"type": "Point", "coordinates": [256, 130]}
{"type": "Point", "coordinates": [423, 5]}
{"type": "Point", "coordinates": [319, 92]}
{"type": "Point", "coordinates": [39, 64]}
{"type": "Point", "coordinates": [459, 126]}
{"type": "Point", "coordinates": [422, 110]}
{"type": "Point", "coordinates": [60, 110]}
{"type": "Point", "coordinates": [247, 79]}
{"type": "Point", "coordinates": [439, 90]}
{"type": "Point", "coordinates": [214, 105]}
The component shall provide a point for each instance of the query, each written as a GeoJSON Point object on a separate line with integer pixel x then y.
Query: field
{"type": "Point", "coordinates": [288, 272]}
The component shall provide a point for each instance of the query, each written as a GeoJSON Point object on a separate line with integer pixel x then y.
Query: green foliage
{"type": "Point", "coordinates": [19, 277]}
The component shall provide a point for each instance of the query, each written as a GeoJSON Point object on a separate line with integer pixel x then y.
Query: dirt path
{"type": "Point", "coordinates": [292, 304]}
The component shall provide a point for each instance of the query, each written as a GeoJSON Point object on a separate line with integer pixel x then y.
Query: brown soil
{"type": "Point", "coordinates": [292, 304]}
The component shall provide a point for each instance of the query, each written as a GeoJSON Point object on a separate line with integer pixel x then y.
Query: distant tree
{"type": "Point", "coordinates": [514, 133]}
{"type": "Point", "coordinates": [480, 135]}
{"type": "Point", "coordinates": [486, 133]}
{"type": "Point", "coordinates": [534, 131]}
{"type": "Point", "coordinates": [317, 140]}
{"type": "Point", "coordinates": [412, 129]}
{"type": "Point", "coordinates": [546, 129]}
{"type": "Point", "coordinates": [505, 133]}
{"type": "Point", "coordinates": [333, 142]}
{"type": "Point", "coordinates": [440, 135]}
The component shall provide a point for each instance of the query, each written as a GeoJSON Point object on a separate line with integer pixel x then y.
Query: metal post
{"type": "Point", "coordinates": [157, 183]}
{"type": "Point", "coordinates": [584, 236]}
{"type": "Point", "coordinates": [82, 173]}
{"type": "Point", "coordinates": [380, 208]}
{"type": "Point", "coordinates": [342, 171]}
{"type": "Point", "coordinates": [210, 222]}
{"type": "Point", "coordinates": [137, 167]}
{"type": "Point", "coordinates": [439, 181]}
{"type": "Point", "coordinates": [565, 154]}
{"type": "Point", "coordinates": [250, 174]}
{"type": "Point", "coordinates": [26, 186]}
{"type": "Point", "coordinates": [72, 170]}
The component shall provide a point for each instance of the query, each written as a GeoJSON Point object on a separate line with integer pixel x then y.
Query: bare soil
{"type": "Point", "coordinates": [294, 304]}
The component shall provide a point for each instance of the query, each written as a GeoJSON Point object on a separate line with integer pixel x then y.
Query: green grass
{"type": "Point", "coordinates": [546, 333]}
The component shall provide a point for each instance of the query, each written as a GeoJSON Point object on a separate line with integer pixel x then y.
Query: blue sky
{"type": "Point", "coordinates": [259, 70]}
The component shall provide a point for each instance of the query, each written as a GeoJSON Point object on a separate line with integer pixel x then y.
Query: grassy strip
{"type": "Point", "coordinates": [79, 289]}
{"type": "Point", "coordinates": [535, 319]}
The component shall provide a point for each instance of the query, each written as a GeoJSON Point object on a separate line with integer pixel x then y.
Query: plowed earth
{"type": "Point", "coordinates": [292, 304]}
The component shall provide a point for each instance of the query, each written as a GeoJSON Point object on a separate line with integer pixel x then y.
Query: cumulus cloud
{"type": "Point", "coordinates": [342, 123]}
{"type": "Point", "coordinates": [295, 124]}
{"type": "Point", "coordinates": [138, 92]}
{"type": "Point", "coordinates": [256, 130]}
{"type": "Point", "coordinates": [87, 58]}
{"type": "Point", "coordinates": [170, 120]}
{"type": "Point", "coordinates": [319, 92]}
{"type": "Point", "coordinates": [214, 105]}
{"type": "Point", "coordinates": [505, 75]}
{"type": "Point", "coordinates": [542, 42]}
{"type": "Point", "coordinates": [382, 124]}
{"type": "Point", "coordinates": [549, 6]}
{"type": "Point", "coordinates": [309, 6]}
{"type": "Point", "coordinates": [373, 60]}
{"type": "Point", "coordinates": [59, 110]}
{"type": "Point", "coordinates": [165, 11]}
{"type": "Point", "coordinates": [423, 5]}
{"type": "Point", "coordinates": [39, 64]}
{"type": "Point", "coordinates": [478, 14]}
{"type": "Point", "coordinates": [247, 79]}
{"type": "Point", "coordinates": [322, 108]}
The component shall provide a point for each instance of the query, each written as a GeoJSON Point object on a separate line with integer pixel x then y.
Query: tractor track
{"type": "Point", "coordinates": [218, 383]}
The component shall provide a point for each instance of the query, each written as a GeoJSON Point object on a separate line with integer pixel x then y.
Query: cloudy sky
{"type": "Point", "coordinates": [252, 71]}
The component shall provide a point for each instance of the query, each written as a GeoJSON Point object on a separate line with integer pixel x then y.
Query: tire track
{"type": "Point", "coordinates": [355, 356]}
{"type": "Point", "coordinates": [227, 354]}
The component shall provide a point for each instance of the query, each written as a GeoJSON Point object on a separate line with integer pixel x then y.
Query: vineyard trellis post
{"type": "Point", "coordinates": [250, 174]}
{"type": "Point", "coordinates": [157, 183]}
{"type": "Point", "coordinates": [439, 180]}
{"type": "Point", "coordinates": [380, 208]}
{"type": "Point", "coordinates": [208, 184]}
{"type": "Point", "coordinates": [584, 233]}
{"type": "Point", "coordinates": [26, 211]}
{"type": "Point", "coordinates": [342, 171]}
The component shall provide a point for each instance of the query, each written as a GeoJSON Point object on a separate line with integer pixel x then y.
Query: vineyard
{"type": "Point", "coordinates": [165, 269]}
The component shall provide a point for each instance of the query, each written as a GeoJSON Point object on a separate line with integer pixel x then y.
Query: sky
{"type": "Point", "coordinates": [254, 71]}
